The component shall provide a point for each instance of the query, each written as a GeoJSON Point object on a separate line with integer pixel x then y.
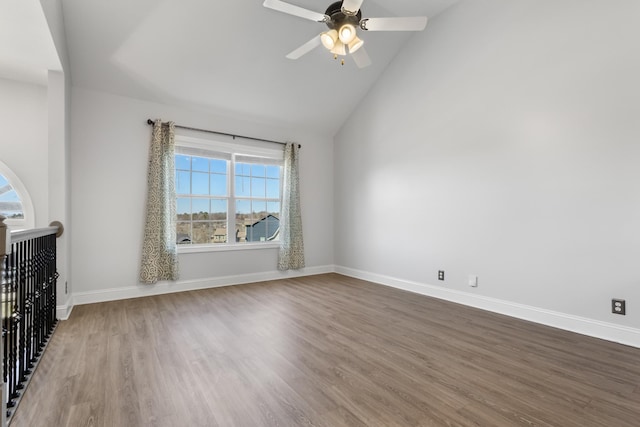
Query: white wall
{"type": "Point", "coordinates": [504, 141]}
{"type": "Point", "coordinates": [109, 149]}
{"type": "Point", "coordinates": [23, 140]}
{"type": "Point", "coordinates": [59, 103]}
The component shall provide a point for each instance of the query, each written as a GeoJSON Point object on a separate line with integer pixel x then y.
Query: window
{"type": "Point", "coordinates": [226, 194]}
{"type": "Point", "coordinates": [15, 203]}
{"type": "Point", "coordinates": [10, 203]}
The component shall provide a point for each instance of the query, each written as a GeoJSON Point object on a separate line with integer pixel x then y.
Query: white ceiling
{"type": "Point", "coordinates": [27, 50]}
{"type": "Point", "coordinates": [227, 58]}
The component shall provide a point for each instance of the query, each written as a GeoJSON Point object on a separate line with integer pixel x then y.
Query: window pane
{"type": "Point", "coordinates": [273, 171]}
{"type": "Point", "coordinates": [203, 232]}
{"type": "Point", "coordinates": [258, 186]}
{"type": "Point", "coordinates": [243, 169]}
{"type": "Point", "coordinates": [183, 182]}
{"type": "Point", "coordinates": [199, 164]}
{"type": "Point", "coordinates": [183, 208]}
{"type": "Point", "coordinates": [183, 162]}
{"type": "Point", "coordinates": [200, 183]}
{"type": "Point", "coordinates": [259, 209]}
{"type": "Point", "coordinates": [248, 230]}
{"type": "Point", "coordinates": [218, 210]}
{"type": "Point", "coordinates": [243, 187]}
{"type": "Point", "coordinates": [263, 226]}
{"type": "Point", "coordinates": [257, 170]}
{"type": "Point", "coordinates": [200, 209]}
{"type": "Point", "coordinates": [273, 188]}
{"type": "Point", "coordinates": [219, 166]}
{"type": "Point", "coordinates": [183, 233]}
{"type": "Point", "coordinates": [243, 218]}
{"type": "Point", "coordinates": [243, 206]}
{"type": "Point", "coordinates": [10, 203]}
{"type": "Point", "coordinates": [273, 230]}
{"type": "Point", "coordinates": [219, 232]}
{"type": "Point", "coordinates": [273, 208]}
{"type": "Point", "coordinates": [272, 226]}
{"type": "Point", "coordinates": [218, 185]}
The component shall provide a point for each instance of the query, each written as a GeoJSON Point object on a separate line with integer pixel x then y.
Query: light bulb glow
{"type": "Point", "coordinates": [347, 33]}
{"type": "Point", "coordinates": [355, 44]}
{"type": "Point", "coordinates": [339, 49]}
{"type": "Point", "coordinates": [329, 39]}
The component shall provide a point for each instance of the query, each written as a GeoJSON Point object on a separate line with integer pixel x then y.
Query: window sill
{"type": "Point", "coordinates": [189, 249]}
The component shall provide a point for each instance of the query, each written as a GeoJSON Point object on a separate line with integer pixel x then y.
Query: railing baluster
{"type": "Point", "coordinates": [5, 281]}
{"type": "Point", "coordinates": [28, 278]}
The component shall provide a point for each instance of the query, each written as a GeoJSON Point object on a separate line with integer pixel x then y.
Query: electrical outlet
{"type": "Point", "coordinates": [618, 306]}
{"type": "Point", "coordinates": [473, 280]}
{"type": "Point", "coordinates": [440, 274]}
{"type": "Point", "coordinates": [65, 287]}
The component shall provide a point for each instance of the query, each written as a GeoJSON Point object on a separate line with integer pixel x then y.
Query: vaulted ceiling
{"type": "Point", "coordinates": [27, 50]}
{"type": "Point", "coordinates": [228, 58]}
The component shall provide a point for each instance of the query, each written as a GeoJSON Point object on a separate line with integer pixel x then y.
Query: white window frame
{"type": "Point", "coordinates": [209, 148]}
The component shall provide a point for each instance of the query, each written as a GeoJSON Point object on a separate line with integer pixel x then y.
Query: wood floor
{"type": "Point", "coordinates": [323, 351]}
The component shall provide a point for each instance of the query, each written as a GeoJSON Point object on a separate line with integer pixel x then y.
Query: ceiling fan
{"type": "Point", "coordinates": [343, 18]}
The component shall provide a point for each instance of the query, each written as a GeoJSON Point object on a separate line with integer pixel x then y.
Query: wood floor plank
{"type": "Point", "coordinates": [322, 351]}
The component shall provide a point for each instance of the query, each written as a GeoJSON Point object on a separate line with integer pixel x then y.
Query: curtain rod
{"type": "Point", "coordinates": [151, 122]}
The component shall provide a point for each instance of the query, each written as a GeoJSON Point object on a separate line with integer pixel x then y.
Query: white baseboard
{"type": "Point", "coordinates": [141, 290]}
{"type": "Point", "coordinates": [63, 311]}
{"type": "Point", "coordinates": [581, 325]}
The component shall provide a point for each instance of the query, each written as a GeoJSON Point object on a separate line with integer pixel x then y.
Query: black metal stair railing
{"type": "Point", "coordinates": [28, 291]}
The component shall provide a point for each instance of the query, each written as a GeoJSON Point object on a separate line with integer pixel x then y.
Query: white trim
{"type": "Point", "coordinates": [222, 247]}
{"type": "Point", "coordinates": [63, 311]}
{"type": "Point", "coordinates": [215, 144]}
{"type": "Point", "coordinates": [161, 288]}
{"type": "Point", "coordinates": [581, 325]}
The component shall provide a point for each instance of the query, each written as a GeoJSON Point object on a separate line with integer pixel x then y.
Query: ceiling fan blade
{"type": "Point", "coordinates": [414, 23]}
{"type": "Point", "coordinates": [305, 48]}
{"type": "Point", "coordinates": [351, 6]}
{"type": "Point", "coordinates": [291, 9]}
{"type": "Point", "coordinates": [361, 58]}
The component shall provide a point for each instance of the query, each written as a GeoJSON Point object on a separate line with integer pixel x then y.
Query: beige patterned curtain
{"type": "Point", "coordinates": [291, 256]}
{"type": "Point", "coordinates": [159, 249]}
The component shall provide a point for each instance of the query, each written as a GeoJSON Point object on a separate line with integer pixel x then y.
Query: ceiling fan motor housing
{"type": "Point", "coordinates": [339, 18]}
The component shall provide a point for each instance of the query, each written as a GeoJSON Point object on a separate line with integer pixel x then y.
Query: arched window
{"type": "Point", "coordinates": [15, 203]}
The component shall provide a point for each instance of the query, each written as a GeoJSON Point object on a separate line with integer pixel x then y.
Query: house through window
{"type": "Point", "coordinates": [226, 194]}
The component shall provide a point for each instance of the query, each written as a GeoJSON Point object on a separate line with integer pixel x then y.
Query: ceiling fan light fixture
{"type": "Point", "coordinates": [339, 49]}
{"type": "Point", "coordinates": [347, 33]}
{"type": "Point", "coordinates": [329, 39]}
{"type": "Point", "coordinates": [343, 18]}
{"type": "Point", "coordinates": [355, 44]}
